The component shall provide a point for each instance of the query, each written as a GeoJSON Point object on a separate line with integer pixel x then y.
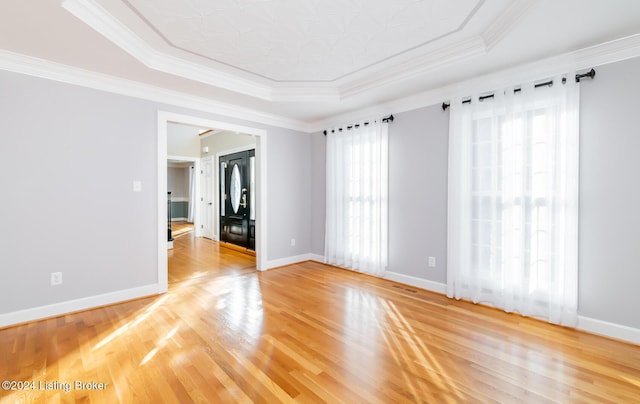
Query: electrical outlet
{"type": "Point", "coordinates": [293, 242]}
{"type": "Point", "coordinates": [137, 186]}
{"type": "Point", "coordinates": [56, 278]}
{"type": "Point", "coordinates": [432, 262]}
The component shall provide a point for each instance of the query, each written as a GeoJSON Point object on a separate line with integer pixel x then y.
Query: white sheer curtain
{"type": "Point", "coordinates": [356, 230]}
{"type": "Point", "coordinates": [513, 201]}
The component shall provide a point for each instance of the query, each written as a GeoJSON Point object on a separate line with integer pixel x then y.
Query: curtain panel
{"type": "Point", "coordinates": [513, 201]}
{"type": "Point", "coordinates": [356, 230]}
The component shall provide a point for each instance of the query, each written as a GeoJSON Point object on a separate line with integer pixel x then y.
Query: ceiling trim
{"type": "Point", "coordinates": [605, 53]}
{"type": "Point", "coordinates": [31, 66]}
{"type": "Point", "coordinates": [455, 53]}
{"type": "Point", "coordinates": [98, 18]}
{"type": "Point", "coordinates": [383, 73]}
{"type": "Point", "coordinates": [598, 55]}
{"type": "Point", "coordinates": [506, 21]}
{"type": "Point", "coordinates": [461, 26]}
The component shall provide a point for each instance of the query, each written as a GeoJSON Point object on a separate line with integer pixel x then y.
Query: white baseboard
{"type": "Point", "coordinates": [604, 328]}
{"type": "Point", "coordinates": [607, 329]}
{"type": "Point", "coordinates": [70, 306]}
{"type": "Point", "coordinates": [591, 325]}
{"type": "Point", "coordinates": [417, 282]}
{"type": "Point", "coordinates": [594, 326]}
{"type": "Point", "coordinates": [179, 219]}
{"type": "Point", "coordinates": [316, 257]}
{"type": "Point", "coordinates": [293, 260]}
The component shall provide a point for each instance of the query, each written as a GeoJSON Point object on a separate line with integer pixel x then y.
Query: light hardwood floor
{"type": "Point", "coordinates": [181, 228]}
{"type": "Point", "coordinates": [225, 333]}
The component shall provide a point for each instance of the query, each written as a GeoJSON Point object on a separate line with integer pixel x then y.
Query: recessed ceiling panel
{"type": "Point", "coordinates": [303, 40]}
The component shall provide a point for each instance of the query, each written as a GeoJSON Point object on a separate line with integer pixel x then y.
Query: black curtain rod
{"type": "Point", "coordinates": [590, 74]}
{"type": "Point", "coordinates": [387, 119]}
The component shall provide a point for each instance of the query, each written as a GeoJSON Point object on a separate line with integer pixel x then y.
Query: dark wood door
{"type": "Point", "coordinates": [237, 189]}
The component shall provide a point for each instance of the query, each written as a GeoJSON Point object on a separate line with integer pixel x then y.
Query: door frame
{"type": "Point", "coordinates": [202, 195]}
{"type": "Point", "coordinates": [165, 117]}
{"type": "Point", "coordinates": [216, 191]}
{"type": "Point", "coordinates": [196, 165]}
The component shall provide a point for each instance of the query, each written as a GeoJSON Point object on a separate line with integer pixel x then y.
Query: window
{"type": "Point", "coordinates": [513, 188]}
{"type": "Point", "coordinates": [357, 183]}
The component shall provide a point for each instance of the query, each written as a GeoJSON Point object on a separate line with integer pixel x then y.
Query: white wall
{"type": "Point", "coordinates": [225, 141]}
{"type": "Point", "coordinates": [182, 140]}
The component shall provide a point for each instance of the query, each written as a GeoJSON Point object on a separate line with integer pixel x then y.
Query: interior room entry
{"type": "Point", "coordinates": [237, 199]}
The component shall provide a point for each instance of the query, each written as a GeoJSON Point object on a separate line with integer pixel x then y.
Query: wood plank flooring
{"type": "Point", "coordinates": [181, 228]}
{"type": "Point", "coordinates": [225, 333]}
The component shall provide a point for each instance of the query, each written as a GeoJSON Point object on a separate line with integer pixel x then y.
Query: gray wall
{"type": "Point", "coordinates": [609, 253]}
{"type": "Point", "coordinates": [288, 178]}
{"type": "Point", "coordinates": [418, 147]}
{"type": "Point", "coordinates": [610, 194]}
{"type": "Point", "coordinates": [318, 196]}
{"type": "Point", "coordinates": [178, 182]}
{"type": "Point", "coordinates": [73, 209]}
{"type": "Point", "coordinates": [179, 210]}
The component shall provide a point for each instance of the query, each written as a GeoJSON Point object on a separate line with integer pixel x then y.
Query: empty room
{"type": "Point", "coordinates": [336, 201]}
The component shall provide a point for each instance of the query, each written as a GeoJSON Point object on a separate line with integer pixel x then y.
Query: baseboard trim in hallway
{"type": "Point", "coordinates": [75, 305]}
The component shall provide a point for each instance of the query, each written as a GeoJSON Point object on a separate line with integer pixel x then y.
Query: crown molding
{"type": "Point", "coordinates": [305, 92]}
{"type": "Point", "coordinates": [605, 53]}
{"type": "Point", "coordinates": [598, 55]}
{"type": "Point", "coordinates": [98, 18]}
{"type": "Point", "coordinates": [23, 64]}
{"type": "Point", "coordinates": [375, 76]}
{"type": "Point", "coordinates": [506, 21]}
{"type": "Point", "coordinates": [608, 52]}
{"type": "Point", "coordinates": [455, 53]}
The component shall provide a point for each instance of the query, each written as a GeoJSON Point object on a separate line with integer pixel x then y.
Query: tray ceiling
{"type": "Point", "coordinates": [305, 63]}
{"type": "Point", "coordinates": [302, 40]}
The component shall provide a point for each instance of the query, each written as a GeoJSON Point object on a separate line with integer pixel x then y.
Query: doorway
{"type": "Point", "coordinates": [164, 118]}
{"type": "Point", "coordinates": [183, 193]}
{"type": "Point", "coordinates": [237, 199]}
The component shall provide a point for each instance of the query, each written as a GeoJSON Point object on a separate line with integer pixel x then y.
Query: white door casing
{"type": "Point", "coordinates": [207, 199]}
{"type": "Point", "coordinates": [164, 118]}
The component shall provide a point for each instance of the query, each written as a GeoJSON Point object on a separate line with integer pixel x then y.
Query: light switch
{"type": "Point", "coordinates": [137, 186]}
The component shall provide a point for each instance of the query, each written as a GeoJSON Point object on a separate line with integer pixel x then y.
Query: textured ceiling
{"type": "Point", "coordinates": [302, 40]}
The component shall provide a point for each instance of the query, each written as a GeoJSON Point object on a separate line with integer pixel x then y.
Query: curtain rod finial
{"type": "Point", "coordinates": [590, 74]}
